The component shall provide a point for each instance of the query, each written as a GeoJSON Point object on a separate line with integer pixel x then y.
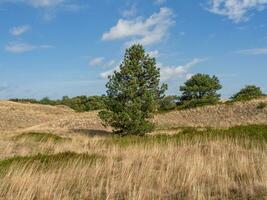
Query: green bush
{"type": "Point", "coordinates": [198, 103]}
{"type": "Point", "coordinates": [199, 90]}
{"type": "Point", "coordinates": [168, 103]}
{"type": "Point", "coordinates": [247, 93]}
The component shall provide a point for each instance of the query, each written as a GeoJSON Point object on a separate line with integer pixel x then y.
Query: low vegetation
{"type": "Point", "coordinates": [46, 161]}
{"type": "Point", "coordinates": [79, 103]}
{"type": "Point", "coordinates": [41, 137]}
{"type": "Point", "coordinates": [195, 164]}
{"type": "Point", "coordinates": [248, 93]}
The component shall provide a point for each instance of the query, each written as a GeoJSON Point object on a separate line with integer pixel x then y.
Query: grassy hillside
{"type": "Point", "coordinates": [218, 116]}
{"type": "Point", "coordinates": [55, 153]}
{"type": "Point", "coordinates": [19, 117]}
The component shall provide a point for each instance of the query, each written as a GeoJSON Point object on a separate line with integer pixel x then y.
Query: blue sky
{"type": "Point", "coordinates": [68, 47]}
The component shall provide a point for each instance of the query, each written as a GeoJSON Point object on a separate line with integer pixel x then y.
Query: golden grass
{"type": "Point", "coordinates": [217, 116]}
{"type": "Point", "coordinates": [74, 165]}
{"type": "Point", "coordinates": [205, 169]}
{"type": "Point", "coordinates": [19, 117]}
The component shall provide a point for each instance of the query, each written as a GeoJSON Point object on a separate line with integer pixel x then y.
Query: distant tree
{"type": "Point", "coordinates": [247, 93]}
{"type": "Point", "coordinates": [168, 103]}
{"type": "Point", "coordinates": [200, 89]}
{"type": "Point", "coordinates": [133, 93]}
{"type": "Point", "coordinates": [47, 101]}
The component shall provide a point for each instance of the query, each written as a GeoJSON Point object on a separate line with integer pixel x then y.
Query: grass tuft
{"type": "Point", "coordinates": [46, 161]}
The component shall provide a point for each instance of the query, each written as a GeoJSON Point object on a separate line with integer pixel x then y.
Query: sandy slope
{"type": "Point", "coordinates": [18, 117]}
{"type": "Point", "coordinates": [218, 116]}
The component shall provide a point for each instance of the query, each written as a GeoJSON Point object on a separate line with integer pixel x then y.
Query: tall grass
{"type": "Point", "coordinates": [202, 165]}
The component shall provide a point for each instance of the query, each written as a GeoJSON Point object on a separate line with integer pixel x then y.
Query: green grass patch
{"type": "Point", "coordinates": [41, 137]}
{"type": "Point", "coordinates": [256, 134]}
{"type": "Point", "coordinates": [46, 161]}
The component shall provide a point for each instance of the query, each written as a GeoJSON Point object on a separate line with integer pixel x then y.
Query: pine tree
{"type": "Point", "coordinates": [133, 93]}
{"type": "Point", "coordinates": [200, 89]}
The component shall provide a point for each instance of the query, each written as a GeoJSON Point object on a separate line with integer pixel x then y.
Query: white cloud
{"type": "Point", "coordinates": [96, 61]}
{"type": "Point", "coordinates": [45, 3]}
{"type": "Point", "coordinates": [236, 10]}
{"type": "Point", "coordinates": [50, 7]}
{"type": "Point", "coordinates": [188, 76]}
{"type": "Point", "coordinates": [19, 30]}
{"type": "Point", "coordinates": [160, 1]}
{"type": "Point", "coordinates": [37, 3]}
{"type": "Point", "coordinates": [144, 31]}
{"type": "Point", "coordinates": [107, 73]}
{"type": "Point", "coordinates": [110, 63]}
{"type": "Point", "coordinates": [23, 47]}
{"type": "Point", "coordinates": [259, 51]}
{"type": "Point", "coordinates": [168, 73]}
{"type": "Point", "coordinates": [154, 53]}
{"type": "Point", "coordinates": [131, 12]}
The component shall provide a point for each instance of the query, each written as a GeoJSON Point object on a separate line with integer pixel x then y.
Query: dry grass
{"type": "Point", "coordinates": [81, 161]}
{"type": "Point", "coordinates": [217, 116]}
{"type": "Point", "coordinates": [131, 168]}
{"type": "Point", "coordinates": [18, 117]}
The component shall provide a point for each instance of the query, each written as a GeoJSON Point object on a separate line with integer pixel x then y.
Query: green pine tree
{"type": "Point", "coordinates": [133, 93]}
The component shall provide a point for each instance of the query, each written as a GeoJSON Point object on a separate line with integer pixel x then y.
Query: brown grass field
{"type": "Point", "coordinates": [55, 153]}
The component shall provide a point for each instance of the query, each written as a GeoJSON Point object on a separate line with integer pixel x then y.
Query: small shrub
{"type": "Point", "coordinates": [200, 89]}
{"type": "Point", "coordinates": [168, 103]}
{"type": "Point", "coordinates": [248, 93]}
{"type": "Point", "coordinates": [197, 103]}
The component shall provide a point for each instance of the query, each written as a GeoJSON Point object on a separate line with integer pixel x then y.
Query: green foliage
{"type": "Point", "coordinates": [247, 93]}
{"type": "Point", "coordinates": [248, 135]}
{"type": "Point", "coordinates": [197, 102]}
{"type": "Point", "coordinates": [79, 103]}
{"type": "Point", "coordinates": [261, 105]}
{"type": "Point", "coordinates": [168, 103]}
{"type": "Point", "coordinates": [84, 103]}
{"type": "Point", "coordinates": [133, 93]}
{"type": "Point", "coordinates": [200, 89]}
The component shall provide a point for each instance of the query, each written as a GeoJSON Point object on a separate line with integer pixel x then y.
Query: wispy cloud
{"type": "Point", "coordinates": [37, 3]}
{"type": "Point", "coordinates": [96, 61]}
{"type": "Point", "coordinates": [168, 73]}
{"type": "Point", "coordinates": [50, 7]}
{"type": "Point", "coordinates": [107, 73]}
{"type": "Point", "coordinates": [154, 53]}
{"type": "Point", "coordinates": [258, 51]}
{"type": "Point", "coordinates": [144, 31]}
{"type": "Point", "coordinates": [236, 10]}
{"type": "Point", "coordinates": [24, 47]}
{"type": "Point", "coordinates": [130, 12]}
{"type": "Point", "coordinates": [160, 1]}
{"type": "Point", "coordinates": [19, 30]}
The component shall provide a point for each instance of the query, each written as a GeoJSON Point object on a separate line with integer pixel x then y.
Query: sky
{"type": "Point", "coordinates": [69, 47]}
